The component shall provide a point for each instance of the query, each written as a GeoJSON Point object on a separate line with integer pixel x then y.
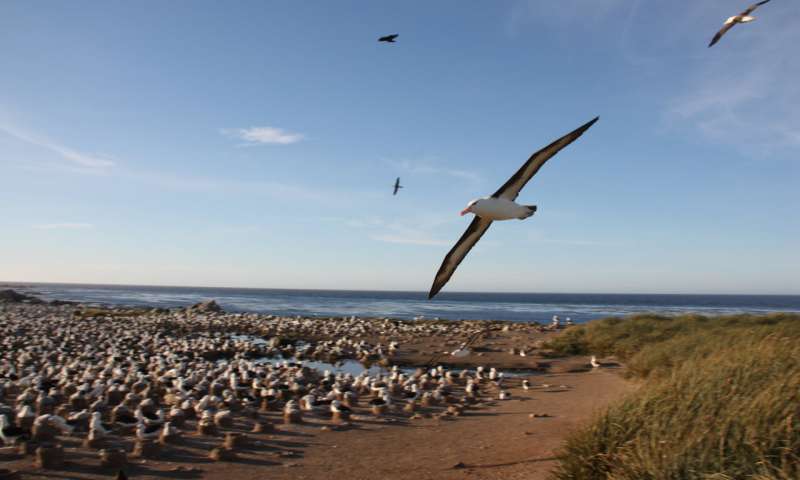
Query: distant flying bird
{"type": "Point", "coordinates": [389, 38]}
{"type": "Point", "coordinates": [397, 186]}
{"type": "Point", "coordinates": [743, 17]}
{"type": "Point", "coordinates": [500, 206]}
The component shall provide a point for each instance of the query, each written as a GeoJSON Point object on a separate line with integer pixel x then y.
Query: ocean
{"type": "Point", "coordinates": [518, 307]}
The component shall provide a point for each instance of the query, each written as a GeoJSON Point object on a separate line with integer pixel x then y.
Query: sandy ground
{"type": "Point", "coordinates": [498, 439]}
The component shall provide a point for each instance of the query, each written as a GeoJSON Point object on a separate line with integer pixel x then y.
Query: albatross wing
{"type": "Point", "coordinates": [456, 254]}
{"type": "Point", "coordinates": [511, 188]}
{"type": "Point", "coordinates": [721, 32]}
{"type": "Point", "coordinates": [752, 7]}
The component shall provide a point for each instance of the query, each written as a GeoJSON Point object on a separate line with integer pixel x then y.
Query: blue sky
{"type": "Point", "coordinates": [255, 143]}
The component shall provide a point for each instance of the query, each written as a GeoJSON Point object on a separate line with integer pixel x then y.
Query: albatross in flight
{"type": "Point", "coordinates": [500, 206]}
{"type": "Point", "coordinates": [389, 38]}
{"type": "Point", "coordinates": [743, 17]}
{"type": "Point", "coordinates": [397, 186]}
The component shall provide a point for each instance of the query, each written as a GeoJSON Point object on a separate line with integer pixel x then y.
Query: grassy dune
{"type": "Point", "coordinates": [720, 399]}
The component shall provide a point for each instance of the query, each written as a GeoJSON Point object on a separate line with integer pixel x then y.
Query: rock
{"type": "Point", "coordinates": [209, 306]}
{"type": "Point", "coordinates": [58, 303]}
{"type": "Point", "coordinates": [12, 296]}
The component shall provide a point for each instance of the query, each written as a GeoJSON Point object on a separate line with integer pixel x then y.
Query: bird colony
{"type": "Point", "coordinates": [120, 383]}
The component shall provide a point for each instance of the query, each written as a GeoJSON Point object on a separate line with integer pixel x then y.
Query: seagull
{"type": "Point", "coordinates": [500, 206]}
{"type": "Point", "coordinates": [743, 17]}
{"type": "Point", "coordinates": [389, 38]}
{"type": "Point", "coordinates": [397, 186]}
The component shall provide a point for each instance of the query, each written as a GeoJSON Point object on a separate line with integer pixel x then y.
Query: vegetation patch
{"type": "Point", "coordinates": [720, 399]}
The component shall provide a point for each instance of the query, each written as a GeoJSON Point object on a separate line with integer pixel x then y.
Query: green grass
{"type": "Point", "coordinates": [720, 400]}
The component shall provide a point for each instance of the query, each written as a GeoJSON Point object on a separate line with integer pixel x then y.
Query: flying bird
{"type": "Point", "coordinates": [743, 17]}
{"type": "Point", "coordinates": [500, 206]}
{"type": "Point", "coordinates": [389, 38]}
{"type": "Point", "coordinates": [397, 186]}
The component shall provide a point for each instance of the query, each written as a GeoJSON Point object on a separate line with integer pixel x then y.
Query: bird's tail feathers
{"type": "Point", "coordinates": [529, 213]}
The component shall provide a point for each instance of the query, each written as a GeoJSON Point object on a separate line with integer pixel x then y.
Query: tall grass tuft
{"type": "Point", "coordinates": [721, 400]}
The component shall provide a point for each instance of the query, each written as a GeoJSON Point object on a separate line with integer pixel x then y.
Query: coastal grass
{"type": "Point", "coordinates": [720, 399]}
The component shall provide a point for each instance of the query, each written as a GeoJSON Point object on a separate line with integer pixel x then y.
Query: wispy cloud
{"type": "Point", "coordinates": [431, 167]}
{"type": "Point", "coordinates": [63, 226]}
{"type": "Point", "coordinates": [90, 161]}
{"type": "Point", "coordinates": [263, 135]}
{"type": "Point", "coordinates": [576, 13]}
{"type": "Point", "coordinates": [419, 230]}
{"type": "Point", "coordinates": [744, 93]}
{"type": "Point", "coordinates": [192, 183]}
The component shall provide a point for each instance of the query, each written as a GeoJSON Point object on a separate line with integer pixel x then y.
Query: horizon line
{"type": "Point", "coordinates": [423, 292]}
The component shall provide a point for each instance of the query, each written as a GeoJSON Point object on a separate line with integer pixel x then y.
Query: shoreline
{"type": "Point", "coordinates": [522, 308]}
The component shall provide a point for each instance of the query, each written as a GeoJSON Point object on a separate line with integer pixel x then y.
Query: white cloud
{"type": "Point", "coordinates": [63, 226]}
{"type": "Point", "coordinates": [264, 135]}
{"type": "Point", "coordinates": [90, 161]}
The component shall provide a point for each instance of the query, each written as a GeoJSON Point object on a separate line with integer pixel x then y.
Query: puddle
{"type": "Point", "coordinates": [355, 367]}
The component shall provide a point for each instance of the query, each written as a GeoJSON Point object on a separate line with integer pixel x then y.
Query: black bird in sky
{"type": "Point", "coordinates": [743, 17]}
{"type": "Point", "coordinates": [389, 38]}
{"type": "Point", "coordinates": [397, 186]}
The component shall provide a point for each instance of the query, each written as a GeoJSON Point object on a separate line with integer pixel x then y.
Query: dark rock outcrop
{"type": "Point", "coordinates": [209, 306]}
{"type": "Point", "coordinates": [12, 296]}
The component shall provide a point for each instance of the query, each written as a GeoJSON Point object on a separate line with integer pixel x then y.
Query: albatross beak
{"type": "Point", "coordinates": [465, 211]}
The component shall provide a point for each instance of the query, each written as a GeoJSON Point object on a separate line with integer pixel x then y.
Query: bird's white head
{"type": "Point", "coordinates": [469, 207]}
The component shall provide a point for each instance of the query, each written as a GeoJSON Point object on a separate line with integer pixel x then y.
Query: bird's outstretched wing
{"type": "Point", "coordinates": [752, 8]}
{"type": "Point", "coordinates": [456, 254]}
{"type": "Point", "coordinates": [721, 32]}
{"type": "Point", "coordinates": [511, 188]}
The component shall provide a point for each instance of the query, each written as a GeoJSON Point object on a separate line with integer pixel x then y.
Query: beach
{"type": "Point", "coordinates": [259, 385]}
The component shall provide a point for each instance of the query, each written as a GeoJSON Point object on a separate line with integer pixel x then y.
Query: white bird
{"type": "Point", "coordinates": [526, 384]}
{"type": "Point", "coordinates": [96, 424]}
{"type": "Point", "coordinates": [743, 17]}
{"type": "Point", "coordinates": [500, 206]}
{"type": "Point", "coordinates": [594, 362]}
